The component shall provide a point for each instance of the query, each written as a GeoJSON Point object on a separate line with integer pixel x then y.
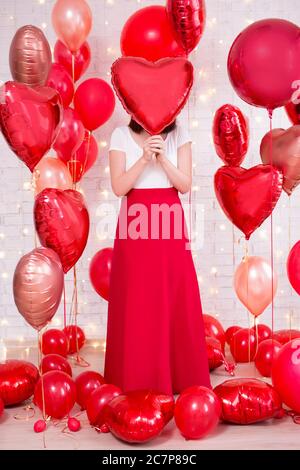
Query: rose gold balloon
{"type": "Point", "coordinates": [38, 285]}
{"type": "Point", "coordinates": [30, 56]}
{"type": "Point", "coordinates": [51, 173]}
{"type": "Point", "coordinates": [72, 21]}
{"type": "Point", "coordinates": [285, 154]}
{"type": "Point", "coordinates": [253, 284]}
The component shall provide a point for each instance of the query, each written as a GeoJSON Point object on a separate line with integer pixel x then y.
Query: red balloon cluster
{"type": "Point", "coordinates": [17, 381]}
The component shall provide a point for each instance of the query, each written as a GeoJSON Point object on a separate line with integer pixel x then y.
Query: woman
{"type": "Point", "coordinates": [155, 333]}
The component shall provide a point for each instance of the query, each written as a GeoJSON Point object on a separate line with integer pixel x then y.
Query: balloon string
{"type": "Point", "coordinates": [40, 355]}
{"type": "Point", "coordinates": [65, 305]}
{"type": "Point", "coordinates": [86, 153]}
{"type": "Point", "coordinates": [73, 69]}
{"type": "Point", "coordinates": [271, 219]}
{"type": "Point", "coordinates": [291, 312]}
{"type": "Point", "coordinates": [246, 260]}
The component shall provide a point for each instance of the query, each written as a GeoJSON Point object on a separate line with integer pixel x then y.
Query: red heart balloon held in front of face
{"type": "Point", "coordinates": [248, 197]}
{"type": "Point", "coordinates": [62, 223]}
{"type": "Point", "coordinates": [17, 381]}
{"type": "Point", "coordinates": [153, 93]}
{"type": "Point", "coordinates": [29, 120]}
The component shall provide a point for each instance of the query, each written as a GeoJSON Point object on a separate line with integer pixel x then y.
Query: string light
{"type": "Point", "coordinates": [4, 275]}
{"type": "Point", "coordinates": [44, 25]}
{"type": "Point", "coordinates": [103, 143]}
{"type": "Point", "coordinates": [2, 254]}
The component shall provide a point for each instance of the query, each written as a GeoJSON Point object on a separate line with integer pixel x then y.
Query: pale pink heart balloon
{"type": "Point", "coordinates": [38, 286]}
{"type": "Point", "coordinates": [285, 154]}
{"type": "Point", "coordinates": [253, 284]}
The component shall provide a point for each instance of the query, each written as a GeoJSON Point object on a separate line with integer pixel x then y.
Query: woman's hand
{"type": "Point", "coordinates": [154, 146]}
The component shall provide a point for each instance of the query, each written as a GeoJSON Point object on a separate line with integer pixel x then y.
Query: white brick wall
{"type": "Point", "coordinates": [226, 18]}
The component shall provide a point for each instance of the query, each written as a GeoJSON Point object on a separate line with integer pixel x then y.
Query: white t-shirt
{"type": "Point", "coordinates": [153, 175]}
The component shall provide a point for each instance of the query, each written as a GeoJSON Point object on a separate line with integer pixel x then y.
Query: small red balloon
{"type": "Point", "coordinates": [55, 393]}
{"type": "Point", "coordinates": [293, 267]}
{"type": "Point", "coordinates": [54, 342]}
{"type": "Point", "coordinates": [86, 383]}
{"type": "Point", "coordinates": [70, 136]}
{"type": "Point", "coordinates": [81, 58]}
{"type": "Point", "coordinates": [243, 345]}
{"type": "Point", "coordinates": [148, 33]}
{"type": "Point", "coordinates": [96, 403]}
{"type": "Point", "coordinates": [76, 338]}
{"type": "Point", "coordinates": [284, 336]}
{"type": "Point", "coordinates": [197, 412]}
{"type": "Point", "coordinates": [61, 81]}
{"type": "Point", "coordinates": [39, 426]}
{"type": "Point", "coordinates": [100, 269]}
{"type": "Point", "coordinates": [263, 332]}
{"type": "Point", "coordinates": [83, 159]}
{"type": "Point", "coordinates": [74, 424]}
{"type": "Point", "coordinates": [230, 332]}
{"type": "Point", "coordinates": [55, 362]}
{"type": "Point", "coordinates": [94, 101]}
{"type": "Point", "coordinates": [213, 328]}
{"type": "Point", "coordinates": [266, 353]}
{"type": "Point", "coordinates": [17, 381]}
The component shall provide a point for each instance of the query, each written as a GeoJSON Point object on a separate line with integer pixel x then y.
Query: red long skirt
{"type": "Point", "coordinates": [155, 333]}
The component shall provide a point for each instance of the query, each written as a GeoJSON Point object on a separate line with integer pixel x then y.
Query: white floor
{"type": "Point", "coordinates": [16, 427]}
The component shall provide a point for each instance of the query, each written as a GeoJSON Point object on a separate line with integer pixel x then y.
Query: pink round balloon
{"type": "Point", "coordinates": [51, 173]}
{"type": "Point", "coordinates": [253, 284]}
{"type": "Point", "coordinates": [72, 22]}
{"type": "Point", "coordinates": [38, 286]}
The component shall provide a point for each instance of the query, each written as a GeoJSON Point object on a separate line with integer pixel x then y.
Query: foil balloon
{"type": "Point", "coordinates": [134, 417]}
{"type": "Point", "coordinates": [62, 223]}
{"type": "Point", "coordinates": [263, 62]}
{"type": "Point", "coordinates": [214, 329]}
{"type": "Point", "coordinates": [51, 173]}
{"type": "Point", "coordinates": [75, 63]}
{"type": "Point", "coordinates": [54, 341]}
{"type": "Point", "coordinates": [60, 80]}
{"type": "Point", "coordinates": [243, 345]}
{"type": "Point", "coordinates": [97, 401]}
{"type": "Point", "coordinates": [55, 362]}
{"type": "Point", "coordinates": [38, 285]}
{"type": "Point", "coordinates": [76, 338]}
{"type": "Point", "coordinates": [148, 33]}
{"type": "Point", "coordinates": [216, 356]}
{"type": "Point", "coordinates": [231, 134]}
{"type": "Point", "coordinates": [70, 136]}
{"type": "Point", "coordinates": [29, 120]}
{"type": "Point", "coordinates": [55, 394]}
{"type": "Point", "coordinates": [188, 20]}
{"type": "Point", "coordinates": [255, 284]}
{"type": "Point", "coordinates": [86, 383]}
{"type": "Point", "coordinates": [248, 197]}
{"type": "Point", "coordinates": [168, 83]}
{"type": "Point", "coordinates": [17, 381]}
{"type": "Point", "coordinates": [197, 412]}
{"type": "Point", "coordinates": [266, 353]}
{"type": "Point", "coordinates": [72, 22]}
{"type": "Point", "coordinates": [293, 267]}
{"type": "Point", "coordinates": [282, 148]}
{"type": "Point", "coordinates": [30, 56]}
{"type": "Point", "coordinates": [248, 401]}
{"type": "Point", "coordinates": [286, 374]}
{"type": "Point", "coordinates": [100, 269]}
{"type": "Point", "coordinates": [284, 336]}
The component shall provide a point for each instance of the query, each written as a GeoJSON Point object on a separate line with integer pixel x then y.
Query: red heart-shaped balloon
{"type": "Point", "coordinates": [29, 120]}
{"type": "Point", "coordinates": [153, 93]}
{"type": "Point", "coordinates": [248, 197]}
{"type": "Point", "coordinates": [17, 381]}
{"type": "Point", "coordinates": [62, 223]}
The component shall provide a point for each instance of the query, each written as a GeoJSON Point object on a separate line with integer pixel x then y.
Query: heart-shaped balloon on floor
{"type": "Point", "coordinates": [153, 93]}
{"type": "Point", "coordinates": [285, 154]}
{"type": "Point", "coordinates": [29, 120]}
{"type": "Point", "coordinates": [248, 197]}
{"type": "Point", "coordinates": [62, 223]}
{"type": "Point", "coordinates": [17, 381]}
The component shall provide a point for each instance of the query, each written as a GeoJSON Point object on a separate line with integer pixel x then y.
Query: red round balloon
{"type": "Point", "coordinates": [231, 134]}
{"type": "Point", "coordinates": [148, 33]}
{"type": "Point", "coordinates": [96, 403]}
{"type": "Point", "coordinates": [59, 392]}
{"type": "Point", "coordinates": [17, 381]}
{"type": "Point", "coordinates": [230, 332]}
{"type": "Point", "coordinates": [86, 383]}
{"type": "Point", "coordinates": [70, 136]}
{"type": "Point", "coordinates": [293, 267]}
{"type": "Point", "coordinates": [197, 412]}
{"type": "Point", "coordinates": [265, 355]}
{"type": "Point", "coordinates": [61, 81]}
{"type": "Point", "coordinates": [94, 101]}
{"type": "Point", "coordinates": [284, 336]}
{"type": "Point", "coordinates": [76, 338]}
{"type": "Point", "coordinates": [62, 223]}
{"type": "Point", "coordinates": [30, 120]}
{"type": "Point", "coordinates": [248, 401]}
{"type": "Point", "coordinates": [82, 58]}
{"type": "Point", "coordinates": [263, 332]}
{"type": "Point", "coordinates": [216, 356]}
{"type": "Point", "coordinates": [83, 159]}
{"type": "Point", "coordinates": [55, 362]}
{"type": "Point", "coordinates": [248, 197]}
{"type": "Point", "coordinates": [243, 345]}
{"type": "Point", "coordinates": [293, 112]}
{"type": "Point", "coordinates": [134, 417]}
{"type": "Point", "coordinates": [213, 328]}
{"type": "Point", "coordinates": [286, 374]}
{"type": "Point", "coordinates": [54, 342]}
{"type": "Point", "coordinates": [100, 269]}
{"type": "Point", "coordinates": [263, 62]}
{"type": "Point", "coordinates": [188, 21]}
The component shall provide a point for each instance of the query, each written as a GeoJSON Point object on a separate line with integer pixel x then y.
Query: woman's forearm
{"type": "Point", "coordinates": [178, 178]}
{"type": "Point", "coordinates": [122, 184]}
